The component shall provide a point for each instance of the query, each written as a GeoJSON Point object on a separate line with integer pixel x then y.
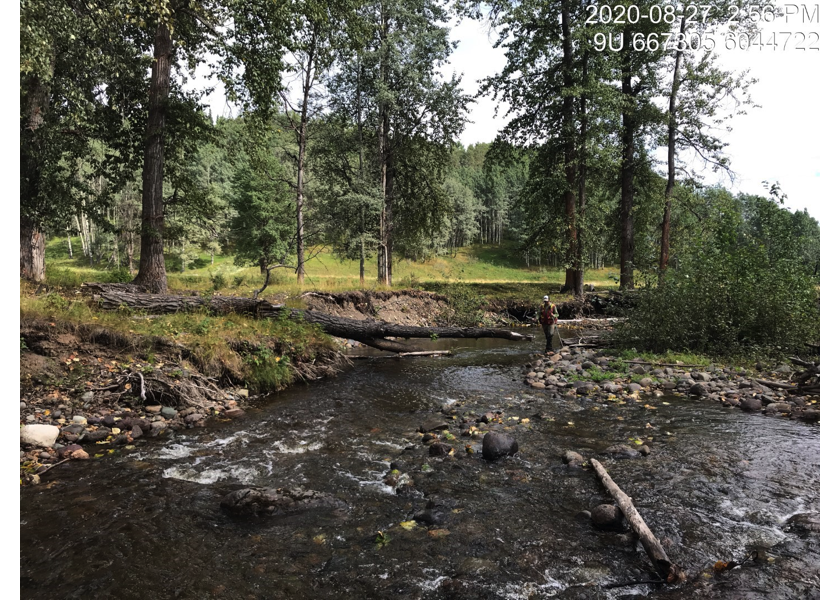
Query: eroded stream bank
{"type": "Point", "coordinates": [719, 484]}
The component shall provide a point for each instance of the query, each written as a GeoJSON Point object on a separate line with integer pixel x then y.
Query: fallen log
{"type": "Point", "coordinates": [775, 384]}
{"type": "Point", "coordinates": [589, 341]}
{"type": "Point", "coordinates": [669, 571]}
{"type": "Point", "coordinates": [369, 332]}
{"type": "Point", "coordinates": [403, 354]}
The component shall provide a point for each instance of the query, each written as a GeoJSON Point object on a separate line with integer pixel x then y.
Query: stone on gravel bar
{"type": "Point", "coordinates": [39, 435]}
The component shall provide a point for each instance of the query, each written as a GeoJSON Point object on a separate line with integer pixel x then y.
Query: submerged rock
{"type": "Point", "coordinates": [751, 404]}
{"type": "Point", "coordinates": [439, 449]}
{"type": "Point", "coordinates": [433, 425]}
{"type": "Point", "coordinates": [496, 445]}
{"type": "Point", "coordinates": [268, 502]}
{"type": "Point", "coordinates": [607, 516]}
{"type": "Point", "coordinates": [621, 451]}
{"type": "Point", "coordinates": [572, 458]}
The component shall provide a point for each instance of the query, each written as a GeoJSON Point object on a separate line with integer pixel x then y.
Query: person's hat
{"type": "Point", "coordinates": [545, 298]}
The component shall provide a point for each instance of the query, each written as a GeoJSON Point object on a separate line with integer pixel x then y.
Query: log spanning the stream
{"type": "Point", "coordinates": [669, 571]}
{"type": "Point", "coordinates": [369, 332]}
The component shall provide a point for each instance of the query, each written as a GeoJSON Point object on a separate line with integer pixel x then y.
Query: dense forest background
{"type": "Point", "coordinates": [347, 142]}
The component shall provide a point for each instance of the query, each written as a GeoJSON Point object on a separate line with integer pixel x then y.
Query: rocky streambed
{"type": "Point", "coordinates": [598, 375]}
{"type": "Point", "coordinates": [435, 478]}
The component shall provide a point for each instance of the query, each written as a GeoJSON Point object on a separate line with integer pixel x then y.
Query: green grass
{"type": "Point", "coordinates": [667, 357]}
{"type": "Point", "coordinates": [496, 271]}
{"type": "Point", "coordinates": [258, 352]}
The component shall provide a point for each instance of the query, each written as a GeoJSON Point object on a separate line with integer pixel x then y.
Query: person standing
{"type": "Point", "coordinates": [548, 320]}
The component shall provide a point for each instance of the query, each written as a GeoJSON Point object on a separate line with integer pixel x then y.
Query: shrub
{"type": "Point", "coordinates": [121, 275]}
{"type": "Point", "coordinates": [464, 305]}
{"type": "Point", "coordinates": [218, 280]}
{"type": "Point", "coordinates": [265, 371]}
{"type": "Point", "coordinates": [732, 301]}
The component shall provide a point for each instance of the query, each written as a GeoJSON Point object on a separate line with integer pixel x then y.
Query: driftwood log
{"type": "Point", "coordinates": [669, 571]}
{"type": "Point", "coordinates": [369, 332]}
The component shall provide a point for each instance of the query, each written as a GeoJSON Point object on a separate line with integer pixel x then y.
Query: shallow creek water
{"type": "Point", "coordinates": [147, 524]}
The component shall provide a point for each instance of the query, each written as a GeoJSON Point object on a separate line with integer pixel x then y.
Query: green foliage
{"type": "Point", "coordinates": [121, 275]}
{"type": "Point", "coordinates": [219, 280]}
{"type": "Point", "coordinates": [265, 371]}
{"type": "Point", "coordinates": [743, 287]}
{"type": "Point", "coordinates": [464, 307]}
{"type": "Point", "coordinates": [56, 302]}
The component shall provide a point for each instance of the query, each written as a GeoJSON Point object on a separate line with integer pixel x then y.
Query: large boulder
{"type": "Point", "coordinates": [496, 445]}
{"type": "Point", "coordinates": [39, 435]}
{"type": "Point", "coordinates": [267, 502]}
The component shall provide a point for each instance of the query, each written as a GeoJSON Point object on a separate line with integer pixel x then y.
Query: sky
{"type": "Point", "coordinates": [784, 140]}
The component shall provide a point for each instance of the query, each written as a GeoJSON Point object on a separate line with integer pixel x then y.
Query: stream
{"type": "Point", "coordinates": [719, 485]}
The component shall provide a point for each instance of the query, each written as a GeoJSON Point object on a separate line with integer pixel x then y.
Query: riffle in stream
{"type": "Point", "coordinates": [719, 484]}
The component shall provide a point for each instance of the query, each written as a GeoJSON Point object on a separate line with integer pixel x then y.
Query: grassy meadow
{"type": "Point", "coordinates": [493, 270]}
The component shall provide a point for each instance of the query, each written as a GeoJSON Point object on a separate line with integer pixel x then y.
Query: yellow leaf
{"type": "Point", "coordinates": [320, 539]}
{"type": "Point", "coordinates": [408, 525]}
{"type": "Point", "coordinates": [115, 430]}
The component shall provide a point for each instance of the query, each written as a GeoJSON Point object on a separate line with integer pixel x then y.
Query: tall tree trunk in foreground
{"type": "Point", "coordinates": [32, 246]}
{"type": "Point", "coordinates": [665, 247]}
{"type": "Point", "coordinates": [628, 166]}
{"type": "Point", "coordinates": [572, 272]}
{"type": "Point", "coordinates": [386, 224]}
{"type": "Point", "coordinates": [32, 243]}
{"type": "Point", "coordinates": [152, 269]}
{"type": "Point", "coordinates": [308, 82]}
{"type": "Point", "coordinates": [581, 185]}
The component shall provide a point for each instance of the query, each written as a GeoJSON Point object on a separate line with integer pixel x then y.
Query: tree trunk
{"type": "Point", "coordinates": [152, 271]}
{"type": "Point", "coordinates": [32, 241]}
{"type": "Point", "coordinates": [386, 216]}
{"type": "Point", "coordinates": [360, 177]}
{"type": "Point", "coordinates": [572, 272]}
{"type": "Point", "coordinates": [130, 252]}
{"type": "Point", "coordinates": [32, 246]}
{"type": "Point", "coordinates": [112, 296]}
{"type": "Point", "coordinates": [308, 80]}
{"type": "Point", "coordinates": [628, 166]}
{"type": "Point", "coordinates": [669, 571]}
{"type": "Point", "coordinates": [665, 247]}
{"type": "Point", "coordinates": [581, 199]}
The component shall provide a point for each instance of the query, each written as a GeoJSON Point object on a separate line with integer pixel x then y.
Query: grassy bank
{"type": "Point", "coordinates": [261, 354]}
{"type": "Point", "coordinates": [495, 271]}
